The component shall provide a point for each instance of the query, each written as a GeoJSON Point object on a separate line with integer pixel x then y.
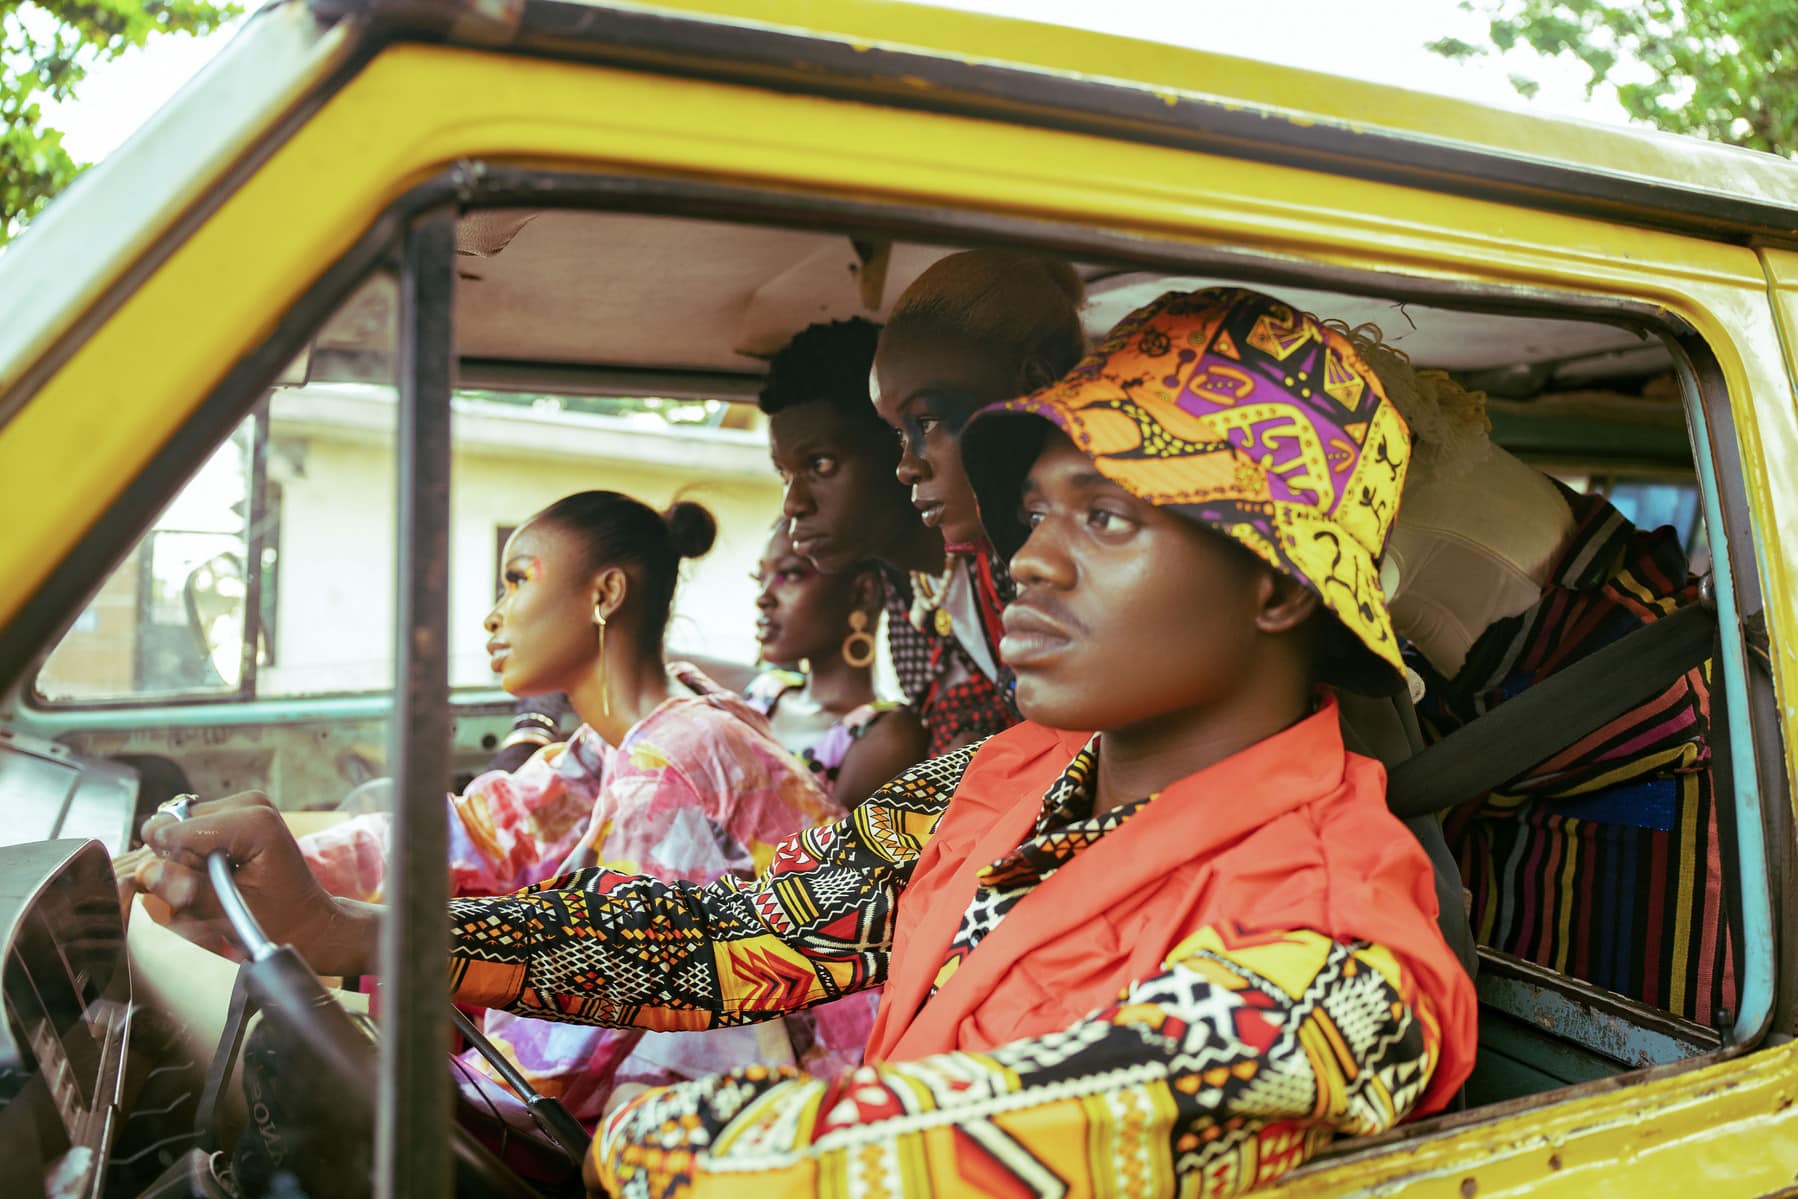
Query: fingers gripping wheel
{"type": "Point", "coordinates": [314, 1122]}
{"type": "Point", "coordinates": [310, 1073]}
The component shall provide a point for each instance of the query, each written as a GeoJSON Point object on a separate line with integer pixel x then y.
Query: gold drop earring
{"type": "Point", "coordinates": [605, 682]}
{"type": "Point", "coordinates": [858, 647]}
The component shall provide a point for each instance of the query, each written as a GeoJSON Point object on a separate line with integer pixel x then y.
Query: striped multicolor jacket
{"type": "Point", "coordinates": [1601, 862]}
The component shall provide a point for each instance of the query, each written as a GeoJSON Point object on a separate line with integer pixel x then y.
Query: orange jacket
{"type": "Point", "coordinates": [1290, 834]}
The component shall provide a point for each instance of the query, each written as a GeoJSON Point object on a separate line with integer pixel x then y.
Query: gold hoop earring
{"type": "Point", "coordinates": [605, 683]}
{"type": "Point", "coordinates": [858, 647]}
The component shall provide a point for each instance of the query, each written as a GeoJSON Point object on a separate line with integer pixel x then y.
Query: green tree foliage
{"type": "Point", "coordinates": [1722, 69]}
{"type": "Point", "coordinates": [46, 50]}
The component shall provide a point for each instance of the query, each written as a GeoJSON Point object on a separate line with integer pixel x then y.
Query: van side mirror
{"type": "Point", "coordinates": [215, 594]}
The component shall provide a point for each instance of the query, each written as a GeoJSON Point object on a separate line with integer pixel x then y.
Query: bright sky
{"type": "Point", "coordinates": [1382, 40]}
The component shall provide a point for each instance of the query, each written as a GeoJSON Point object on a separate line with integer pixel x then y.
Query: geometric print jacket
{"type": "Point", "coordinates": [1245, 1054]}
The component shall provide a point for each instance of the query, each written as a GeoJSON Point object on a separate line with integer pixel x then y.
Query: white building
{"type": "Point", "coordinates": [332, 493]}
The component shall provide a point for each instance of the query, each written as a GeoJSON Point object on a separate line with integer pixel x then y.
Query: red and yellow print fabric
{"type": "Point", "coordinates": [1229, 1069]}
{"type": "Point", "coordinates": [1225, 1056]}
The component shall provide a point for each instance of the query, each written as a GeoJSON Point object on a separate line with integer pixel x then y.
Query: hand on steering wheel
{"type": "Point", "coordinates": [256, 869]}
{"type": "Point", "coordinates": [334, 936]}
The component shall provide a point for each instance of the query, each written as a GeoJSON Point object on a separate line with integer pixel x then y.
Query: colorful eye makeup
{"type": "Point", "coordinates": [522, 570]}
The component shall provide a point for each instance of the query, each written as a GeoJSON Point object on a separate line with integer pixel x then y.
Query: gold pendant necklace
{"type": "Point", "coordinates": [928, 594]}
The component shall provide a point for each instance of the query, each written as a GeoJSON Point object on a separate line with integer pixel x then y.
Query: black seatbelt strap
{"type": "Point", "coordinates": [1530, 728]}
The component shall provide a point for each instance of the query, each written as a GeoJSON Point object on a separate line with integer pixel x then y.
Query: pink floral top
{"type": "Point", "coordinates": [824, 753]}
{"type": "Point", "coordinates": [506, 831]}
{"type": "Point", "coordinates": [698, 789]}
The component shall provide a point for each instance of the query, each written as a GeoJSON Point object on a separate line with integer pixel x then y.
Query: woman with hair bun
{"type": "Point", "coordinates": [668, 773]}
{"type": "Point", "coordinates": [976, 328]}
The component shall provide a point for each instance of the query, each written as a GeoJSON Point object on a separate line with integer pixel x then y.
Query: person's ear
{"type": "Point", "coordinates": [866, 592]}
{"type": "Point", "coordinates": [609, 589]}
{"type": "Point", "coordinates": [1034, 374]}
{"type": "Point", "coordinates": [1284, 602]}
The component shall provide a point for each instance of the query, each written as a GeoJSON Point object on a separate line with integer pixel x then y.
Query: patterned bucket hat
{"type": "Point", "coordinates": [1244, 415]}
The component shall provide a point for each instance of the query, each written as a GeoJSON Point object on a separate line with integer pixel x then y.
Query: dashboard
{"type": "Point", "coordinates": [47, 790]}
{"type": "Point", "coordinates": [67, 995]}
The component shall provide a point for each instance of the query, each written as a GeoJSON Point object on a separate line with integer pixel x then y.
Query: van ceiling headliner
{"type": "Point", "coordinates": [626, 291]}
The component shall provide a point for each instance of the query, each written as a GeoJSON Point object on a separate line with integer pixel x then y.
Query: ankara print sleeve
{"type": "Point", "coordinates": [1231, 1068]}
{"type": "Point", "coordinates": [602, 947]}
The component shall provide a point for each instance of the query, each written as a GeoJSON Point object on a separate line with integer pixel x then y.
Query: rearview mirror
{"type": "Point", "coordinates": [215, 592]}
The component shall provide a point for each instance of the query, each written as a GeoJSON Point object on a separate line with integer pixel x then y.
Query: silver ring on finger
{"type": "Point", "coordinates": [178, 806]}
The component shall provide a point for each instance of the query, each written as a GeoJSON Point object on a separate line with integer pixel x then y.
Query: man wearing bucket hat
{"type": "Point", "coordinates": [1185, 951]}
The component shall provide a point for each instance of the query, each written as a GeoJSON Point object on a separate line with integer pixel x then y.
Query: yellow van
{"type": "Point", "coordinates": [278, 377]}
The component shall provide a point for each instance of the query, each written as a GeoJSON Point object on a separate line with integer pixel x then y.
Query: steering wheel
{"type": "Point", "coordinates": [325, 1062]}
